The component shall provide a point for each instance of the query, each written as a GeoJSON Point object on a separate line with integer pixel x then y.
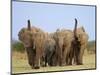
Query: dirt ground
{"type": "Point", "coordinates": [20, 64]}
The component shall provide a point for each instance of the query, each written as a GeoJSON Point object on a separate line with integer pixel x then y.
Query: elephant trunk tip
{"type": "Point", "coordinates": [29, 25]}
{"type": "Point", "coordinates": [75, 23]}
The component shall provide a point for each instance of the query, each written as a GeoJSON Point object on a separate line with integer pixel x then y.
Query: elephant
{"type": "Point", "coordinates": [78, 45]}
{"type": "Point", "coordinates": [63, 40]}
{"type": "Point", "coordinates": [49, 53]}
{"type": "Point", "coordinates": [37, 43]}
{"type": "Point", "coordinates": [45, 49]}
{"type": "Point", "coordinates": [38, 39]}
{"type": "Point", "coordinates": [82, 41]}
{"type": "Point", "coordinates": [25, 36]}
{"type": "Point", "coordinates": [70, 45]}
{"type": "Point", "coordinates": [58, 48]}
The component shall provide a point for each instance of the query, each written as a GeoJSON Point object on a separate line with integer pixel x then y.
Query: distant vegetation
{"type": "Point", "coordinates": [18, 46]}
{"type": "Point", "coordinates": [91, 46]}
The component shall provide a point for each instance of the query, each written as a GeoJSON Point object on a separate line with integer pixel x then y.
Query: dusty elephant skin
{"type": "Point", "coordinates": [59, 48]}
{"type": "Point", "coordinates": [45, 49]}
{"type": "Point", "coordinates": [39, 41]}
{"type": "Point", "coordinates": [82, 43]}
{"type": "Point", "coordinates": [63, 40]}
{"type": "Point", "coordinates": [33, 40]}
{"type": "Point", "coordinates": [70, 45]}
{"type": "Point", "coordinates": [25, 36]}
{"type": "Point", "coordinates": [79, 44]}
{"type": "Point", "coordinates": [31, 56]}
{"type": "Point", "coordinates": [49, 53]}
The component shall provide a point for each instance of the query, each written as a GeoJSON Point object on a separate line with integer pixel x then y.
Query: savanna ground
{"type": "Point", "coordinates": [20, 64]}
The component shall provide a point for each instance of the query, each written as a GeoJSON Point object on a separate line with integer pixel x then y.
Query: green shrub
{"type": "Point", "coordinates": [18, 46]}
{"type": "Point", "coordinates": [91, 47]}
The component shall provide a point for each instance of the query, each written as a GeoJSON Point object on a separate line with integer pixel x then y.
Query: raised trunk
{"type": "Point", "coordinates": [29, 25]}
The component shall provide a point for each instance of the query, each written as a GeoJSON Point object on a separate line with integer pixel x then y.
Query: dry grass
{"type": "Point", "coordinates": [20, 64]}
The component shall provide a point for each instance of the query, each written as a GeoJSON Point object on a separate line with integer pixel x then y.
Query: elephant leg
{"type": "Point", "coordinates": [51, 58]}
{"type": "Point", "coordinates": [71, 55]}
{"type": "Point", "coordinates": [81, 56]}
{"type": "Point", "coordinates": [64, 58]}
{"type": "Point", "coordinates": [75, 57]}
{"type": "Point", "coordinates": [31, 56]}
{"type": "Point", "coordinates": [42, 61]}
{"type": "Point", "coordinates": [45, 59]}
{"type": "Point", "coordinates": [76, 54]}
{"type": "Point", "coordinates": [66, 55]}
{"type": "Point", "coordinates": [60, 58]}
{"type": "Point", "coordinates": [67, 60]}
{"type": "Point", "coordinates": [54, 60]}
{"type": "Point", "coordinates": [37, 59]}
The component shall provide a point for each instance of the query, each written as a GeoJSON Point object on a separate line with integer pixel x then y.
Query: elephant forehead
{"type": "Point", "coordinates": [50, 41]}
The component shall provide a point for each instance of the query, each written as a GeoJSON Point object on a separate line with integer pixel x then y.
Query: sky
{"type": "Point", "coordinates": [50, 17]}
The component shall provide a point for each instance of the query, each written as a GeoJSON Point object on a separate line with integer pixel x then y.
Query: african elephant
{"type": "Point", "coordinates": [25, 36]}
{"type": "Point", "coordinates": [38, 39]}
{"type": "Point", "coordinates": [78, 45]}
{"type": "Point", "coordinates": [49, 53]}
{"type": "Point", "coordinates": [82, 41]}
{"type": "Point", "coordinates": [45, 49]}
{"type": "Point", "coordinates": [63, 40]}
{"type": "Point", "coordinates": [70, 45]}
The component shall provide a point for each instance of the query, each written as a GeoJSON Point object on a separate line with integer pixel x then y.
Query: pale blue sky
{"type": "Point", "coordinates": [49, 17]}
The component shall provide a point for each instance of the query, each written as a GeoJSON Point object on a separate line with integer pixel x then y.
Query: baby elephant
{"type": "Point", "coordinates": [49, 53]}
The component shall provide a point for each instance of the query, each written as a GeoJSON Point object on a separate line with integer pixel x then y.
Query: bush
{"type": "Point", "coordinates": [18, 46]}
{"type": "Point", "coordinates": [91, 47]}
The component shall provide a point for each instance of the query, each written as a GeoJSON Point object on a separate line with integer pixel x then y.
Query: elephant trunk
{"type": "Point", "coordinates": [29, 25]}
{"type": "Point", "coordinates": [75, 28]}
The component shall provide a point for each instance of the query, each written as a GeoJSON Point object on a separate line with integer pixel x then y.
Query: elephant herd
{"type": "Point", "coordinates": [60, 48]}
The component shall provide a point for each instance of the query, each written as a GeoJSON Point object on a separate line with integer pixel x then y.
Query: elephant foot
{"type": "Point", "coordinates": [44, 65]}
{"type": "Point", "coordinates": [32, 67]}
{"type": "Point", "coordinates": [63, 65]}
{"type": "Point", "coordinates": [69, 64]}
{"type": "Point", "coordinates": [36, 67]}
{"type": "Point", "coordinates": [79, 63]}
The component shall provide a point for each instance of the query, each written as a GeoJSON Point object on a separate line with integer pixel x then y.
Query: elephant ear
{"type": "Point", "coordinates": [83, 29]}
{"type": "Point", "coordinates": [21, 34]}
{"type": "Point", "coordinates": [29, 25]}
